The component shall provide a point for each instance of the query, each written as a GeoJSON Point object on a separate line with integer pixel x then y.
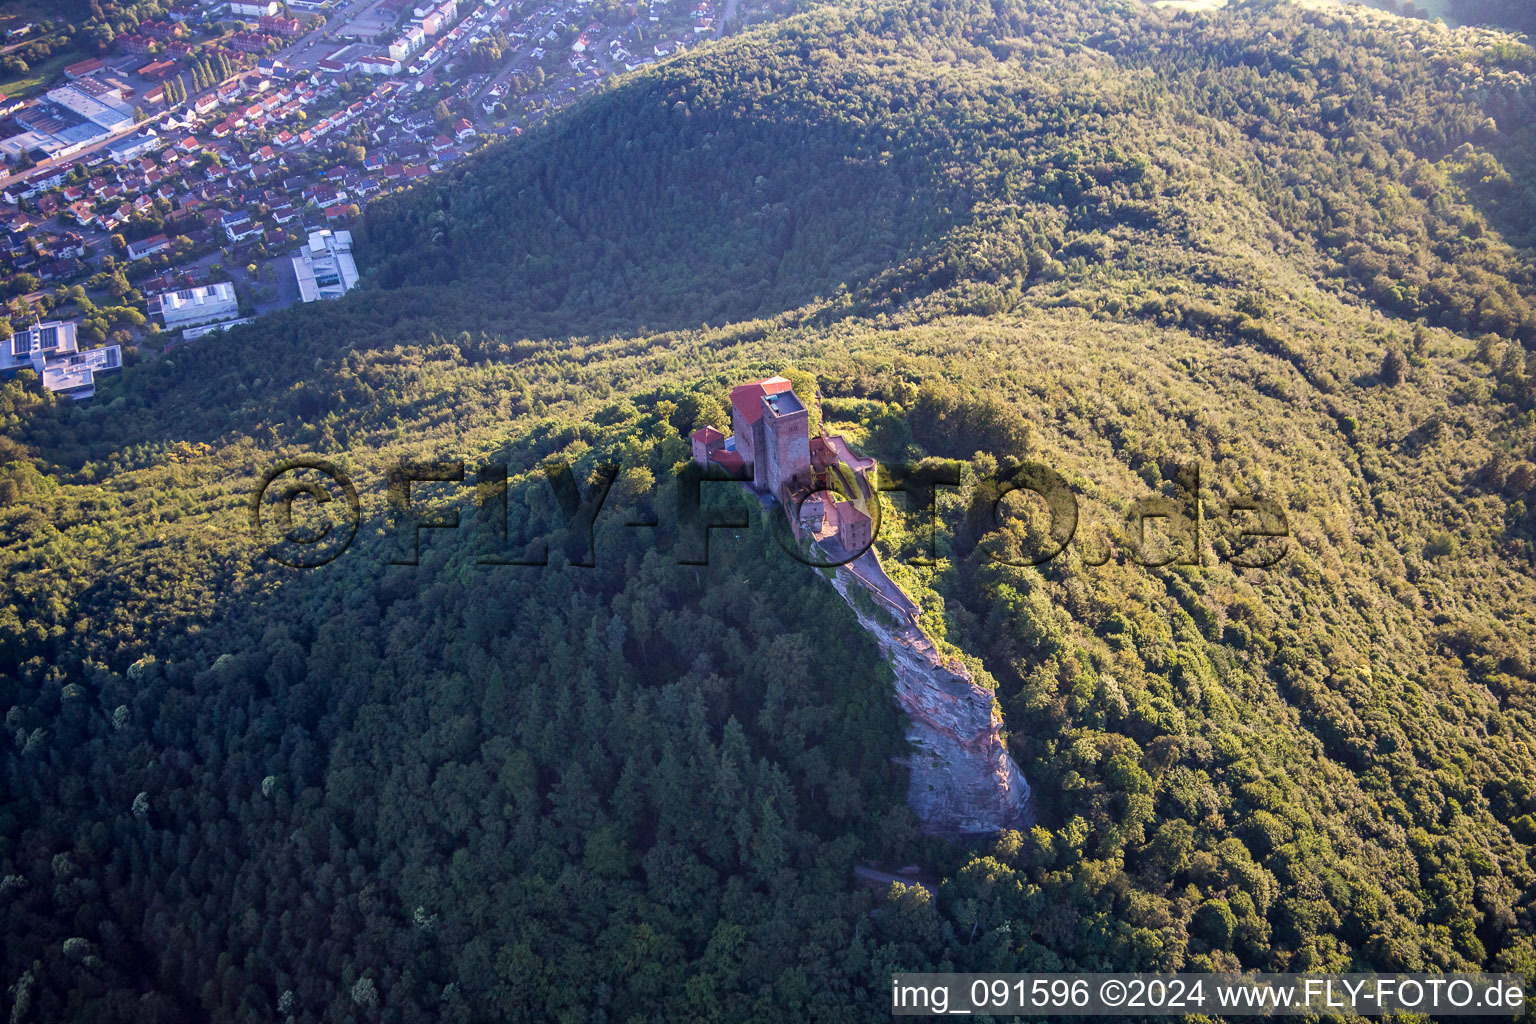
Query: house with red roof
{"type": "Point", "coordinates": [250, 42]}
{"type": "Point", "coordinates": [161, 30]}
{"type": "Point", "coordinates": [84, 67]}
{"type": "Point", "coordinates": [280, 25]}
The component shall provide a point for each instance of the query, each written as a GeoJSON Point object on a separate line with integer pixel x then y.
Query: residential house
{"type": "Point", "coordinates": [379, 64]}
{"type": "Point", "coordinates": [237, 226]}
{"type": "Point", "coordinates": [148, 246]}
{"type": "Point", "coordinates": [164, 31]}
{"type": "Point", "coordinates": [251, 42]}
{"type": "Point", "coordinates": [281, 25]}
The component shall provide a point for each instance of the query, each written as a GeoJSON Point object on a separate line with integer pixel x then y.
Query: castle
{"type": "Point", "coordinates": [771, 432]}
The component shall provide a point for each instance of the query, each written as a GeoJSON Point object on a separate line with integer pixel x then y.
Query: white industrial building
{"type": "Point", "coordinates": [203, 305]}
{"type": "Point", "coordinates": [51, 351]}
{"type": "Point", "coordinates": [88, 99]}
{"type": "Point", "coordinates": [324, 267]}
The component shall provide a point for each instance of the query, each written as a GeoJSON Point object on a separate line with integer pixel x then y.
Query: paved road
{"type": "Point", "coordinates": [43, 165]}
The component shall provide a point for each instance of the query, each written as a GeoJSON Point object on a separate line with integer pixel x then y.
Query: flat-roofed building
{"type": "Point", "coordinates": [207, 304]}
{"type": "Point", "coordinates": [324, 268]}
{"type": "Point", "coordinates": [32, 347]}
{"type": "Point", "coordinates": [51, 351]}
{"type": "Point", "coordinates": [75, 374]}
{"type": "Point", "coordinates": [36, 145]}
{"type": "Point", "coordinates": [102, 111]}
{"type": "Point", "coordinates": [130, 147]}
{"type": "Point", "coordinates": [106, 92]}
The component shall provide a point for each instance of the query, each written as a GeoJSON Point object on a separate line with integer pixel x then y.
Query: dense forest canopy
{"type": "Point", "coordinates": [1290, 245]}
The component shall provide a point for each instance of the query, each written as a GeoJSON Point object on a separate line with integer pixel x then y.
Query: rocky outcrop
{"type": "Point", "coordinates": [963, 782]}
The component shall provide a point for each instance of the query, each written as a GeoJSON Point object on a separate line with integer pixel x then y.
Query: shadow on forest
{"type": "Point", "coordinates": [638, 217]}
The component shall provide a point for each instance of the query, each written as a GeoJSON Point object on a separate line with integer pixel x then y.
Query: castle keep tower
{"type": "Point", "coordinates": [747, 415]}
{"type": "Point", "coordinates": [785, 462]}
{"type": "Point", "coordinates": [771, 428]}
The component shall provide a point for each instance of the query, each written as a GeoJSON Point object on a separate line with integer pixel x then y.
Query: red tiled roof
{"type": "Point", "coordinates": [85, 67]}
{"type": "Point", "coordinates": [748, 397]}
{"type": "Point", "coordinates": [730, 460]}
{"type": "Point", "coordinates": [708, 435]}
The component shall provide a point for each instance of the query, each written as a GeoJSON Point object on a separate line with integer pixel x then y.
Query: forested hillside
{"type": "Point", "coordinates": [1293, 246]}
{"type": "Point", "coordinates": [1511, 14]}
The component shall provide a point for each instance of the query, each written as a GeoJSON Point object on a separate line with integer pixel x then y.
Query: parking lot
{"type": "Point", "coordinates": [368, 24]}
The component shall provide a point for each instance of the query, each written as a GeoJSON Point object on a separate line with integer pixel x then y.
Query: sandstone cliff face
{"type": "Point", "coordinates": [963, 782]}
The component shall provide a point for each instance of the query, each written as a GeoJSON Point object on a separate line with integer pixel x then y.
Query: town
{"type": "Point", "coordinates": [207, 166]}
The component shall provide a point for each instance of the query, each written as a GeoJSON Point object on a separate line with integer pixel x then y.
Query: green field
{"type": "Point", "coordinates": [40, 76]}
{"type": "Point", "coordinates": [42, 73]}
